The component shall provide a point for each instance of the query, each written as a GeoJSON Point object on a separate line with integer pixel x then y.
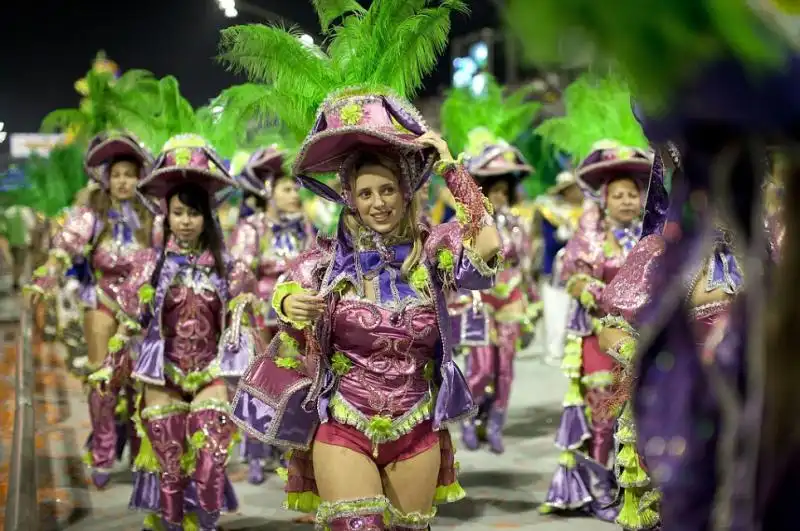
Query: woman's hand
{"type": "Point", "coordinates": [32, 299]}
{"type": "Point", "coordinates": [577, 288]}
{"type": "Point", "coordinates": [431, 139]}
{"type": "Point", "coordinates": [301, 307]}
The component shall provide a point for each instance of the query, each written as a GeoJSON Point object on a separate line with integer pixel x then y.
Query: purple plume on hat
{"type": "Point", "coordinates": [354, 119]}
{"type": "Point", "coordinates": [186, 158]}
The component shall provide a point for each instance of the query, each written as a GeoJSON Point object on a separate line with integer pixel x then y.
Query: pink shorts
{"type": "Point", "coordinates": [417, 441]}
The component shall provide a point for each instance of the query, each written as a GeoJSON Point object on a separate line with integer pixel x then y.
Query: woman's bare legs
{"type": "Point", "coordinates": [410, 486]}
{"type": "Point", "coordinates": [351, 488]}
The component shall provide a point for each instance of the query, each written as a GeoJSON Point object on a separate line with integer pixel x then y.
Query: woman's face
{"type": "Point", "coordinates": [286, 196]}
{"type": "Point", "coordinates": [185, 222]}
{"type": "Point", "coordinates": [498, 195]}
{"type": "Point", "coordinates": [623, 201]}
{"type": "Point", "coordinates": [122, 180]}
{"type": "Point", "coordinates": [378, 198]}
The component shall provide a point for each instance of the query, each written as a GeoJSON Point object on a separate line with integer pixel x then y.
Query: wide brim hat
{"type": "Point", "coordinates": [186, 159]}
{"type": "Point", "coordinates": [564, 180]}
{"type": "Point", "coordinates": [261, 170]}
{"type": "Point", "coordinates": [108, 146]}
{"type": "Point", "coordinates": [353, 120]}
{"type": "Point", "coordinates": [498, 159]}
{"type": "Point", "coordinates": [609, 161]}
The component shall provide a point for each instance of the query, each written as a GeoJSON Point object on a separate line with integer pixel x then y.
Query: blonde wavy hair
{"type": "Point", "coordinates": [409, 228]}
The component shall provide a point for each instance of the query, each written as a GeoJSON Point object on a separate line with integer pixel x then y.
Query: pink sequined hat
{"type": "Point", "coordinates": [610, 160]}
{"type": "Point", "coordinates": [110, 145]}
{"type": "Point", "coordinates": [354, 119]}
{"type": "Point", "coordinates": [263, 167]}
{"type": "Point", "coordinates": [186, 158]}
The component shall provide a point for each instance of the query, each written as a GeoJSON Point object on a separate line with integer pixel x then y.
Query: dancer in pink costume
{"type": "Point", "coordinates": [616, 178]}
{"type": "Point", "coordinates": [102, 238]}
{"type": "Point", "coordinates": [269, 240]}
{"type": "Point", "coordinates": [189, 298]}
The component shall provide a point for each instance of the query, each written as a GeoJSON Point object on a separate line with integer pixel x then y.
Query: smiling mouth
{"type": "Point", "coordinates": [381, 218]}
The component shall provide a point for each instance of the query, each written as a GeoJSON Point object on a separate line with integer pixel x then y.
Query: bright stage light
{"type": "Point", "coordinates": [231, 12]}
{"type": "Point", "coordinates": [307, 39]}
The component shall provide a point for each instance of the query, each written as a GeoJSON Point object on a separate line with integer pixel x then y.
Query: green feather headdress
{"type": "Point", "coordinates": [598, 109]}
{"type": "Point", "coordinates": [657, 44]}
{"type": "Point", "coordinates": [54, 181]}
{"type": "Point", "coordinates": [387, 48]}
{"type": "Point", "coordinates": [471, 122]}
{"type": "Point", "coordinates": [109, 102]}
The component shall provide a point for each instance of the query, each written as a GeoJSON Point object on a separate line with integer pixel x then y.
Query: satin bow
{"type": "Point", "coordinates": [286, 233]}
{"type": "Point", "coordinates": [628, 236]}
{"type": "Point", "coordinates": [385, 265]}
{"type": "Point", "coordinates": [124, 221]}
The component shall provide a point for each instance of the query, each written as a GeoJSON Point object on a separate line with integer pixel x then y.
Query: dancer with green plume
{"type": "Point", "coordinates": [363, 361]}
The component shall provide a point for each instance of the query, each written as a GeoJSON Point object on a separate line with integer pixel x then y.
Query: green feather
{"type": "Point", "coordinates": [501, 117]}
{"type": "Point", "coordinates": [389, 47]}
{"type": "Point", "coordinates": [657, 45]}
{"type": "Point", "coordinates": [330, 10]}
{"type": "Point", "coordinates": [598, 108]}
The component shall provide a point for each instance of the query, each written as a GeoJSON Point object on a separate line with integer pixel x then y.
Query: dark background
{"type": "Point", "coordinates": [47, 45]}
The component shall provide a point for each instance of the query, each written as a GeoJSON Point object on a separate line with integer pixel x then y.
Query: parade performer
{"type": "Point", "coordinates": [269, 240]}
{"type": "Point", "coordinates": [189, 300]}
{"type": "Point", "coordinates": [727, 93]}
{"type": "Point", "coordinates": [555, 221]}
{"type": "Point", "coordinates": [362, 372]}
{"type": "Point", "coordinates": [479, 126]}
{"type": "Point", "coordinates": [615, 178]}
{"type": "Point", "coordinates": [102, 238]}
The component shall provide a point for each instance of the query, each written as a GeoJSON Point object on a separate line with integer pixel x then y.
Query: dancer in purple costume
{"type": "Point", "coordinates": [102, 238]}
{"type": "Point", "coordinates": [269, 240]}
{"type": "Point", "coordinates": [189, 298]}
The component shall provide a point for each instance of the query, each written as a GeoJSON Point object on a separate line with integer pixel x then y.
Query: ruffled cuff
{"type": "Point", "coordinates": [623, 351]}
{"type": "Point", "coordinates": [592, 290]}
{"type": "Point", "coordinates": [283, 290]}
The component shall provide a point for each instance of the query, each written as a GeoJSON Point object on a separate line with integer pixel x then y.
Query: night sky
{"type": "Point", "coordinates": [48, 44]}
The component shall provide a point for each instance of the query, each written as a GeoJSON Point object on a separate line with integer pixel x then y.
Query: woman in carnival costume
{"type": "Point", "coordinates": [269, 240]}
{"type": "Point", "coordinates": [189, 299]}
{"type": "Point", "coordinates": [723, 81]}
{"type": "Point", "coordinates": [479, 125]}
{"type": "Point", "coordinates": [361, 381]}
{"type": "Point", "coordinates": [615, 178]}
{"type": "Point", "coordinates": [102, 238]}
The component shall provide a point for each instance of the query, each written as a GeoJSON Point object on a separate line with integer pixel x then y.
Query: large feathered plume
{"type": "Point", "coordinates": [598, 108]}
{"type": "Point", "coordinates": [390, 46]}
{"type": "Point", "coordinates": [500, 117]}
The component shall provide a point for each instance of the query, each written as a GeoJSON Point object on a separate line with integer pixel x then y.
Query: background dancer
{"type": "Point", "coordinates": [101, 238]}
{"type": "Point", "coordinates": [269, 240]}
{"type": "Point", "coordinates": [479, 126]}
{"type": "Point", "coordinates": [183, 296]}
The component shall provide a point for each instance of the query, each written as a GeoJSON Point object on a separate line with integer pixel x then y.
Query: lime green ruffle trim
{"type": "Point", "coordinates": [631, 516]}
{"type": "Point", "coordinates": [380, 428]}
{"type": "Point", "coordinates": [308, 502]}
{"type": "Point", "coordinates": [615, 321]}
{"type": "Point", "coordinates": [195, 380]}
{"type": "Point", "coordinates": [283, 290]}
{"type": "Point", "coordinates": [598, 380]}
{"type": "Point", "coordinates": [572, 362]}
{"type": "Point", "coordinates": [152, 522]}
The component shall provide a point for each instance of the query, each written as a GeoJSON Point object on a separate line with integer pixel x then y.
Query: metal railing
{"type": "Point", "coordinates": [22, 510]}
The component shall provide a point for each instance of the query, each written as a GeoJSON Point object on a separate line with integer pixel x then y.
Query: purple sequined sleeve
{"type": "Point", "coordinates": [241, 279]}
{"type": "Point", "coordinates": [632, 287]}
{"type": "Point", "coordinates": [71, 242]}
{"type": "Point", "coordinates": [136, 291]}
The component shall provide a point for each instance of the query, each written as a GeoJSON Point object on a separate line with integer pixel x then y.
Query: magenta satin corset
{"type": "Point", "coordinates": [191, 324]}
{"type": "Point", "coordinates": [388, 352]}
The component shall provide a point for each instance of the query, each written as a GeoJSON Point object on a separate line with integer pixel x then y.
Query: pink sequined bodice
{"type": "Point", "coordinates": [191, 326]}
{"type": "Point", "coordinates": [388, 352]}
{"type": "Point", "coordinates": [112, 264]}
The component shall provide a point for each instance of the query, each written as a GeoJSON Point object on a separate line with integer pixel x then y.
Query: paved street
{"type": "Point", "coordinates": [503, 491]}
